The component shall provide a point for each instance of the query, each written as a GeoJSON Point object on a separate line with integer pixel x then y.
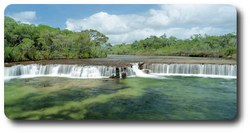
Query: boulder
{"type": "Point", "coordinates": [147, 71]}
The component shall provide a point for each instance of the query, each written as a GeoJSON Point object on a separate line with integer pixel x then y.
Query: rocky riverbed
{"type": "Point", "coordinates": [124, 60]}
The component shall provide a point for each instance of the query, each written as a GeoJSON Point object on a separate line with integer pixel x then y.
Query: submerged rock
{"type": "Point", "coordinates": [124, 75]}
{"type": "Point", "coordinates": [147, 71]}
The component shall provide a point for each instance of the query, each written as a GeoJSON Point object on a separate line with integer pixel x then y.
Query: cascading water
{"type": "Point", "coordinates": [140, 73]}
{"type": "Point", "coordinates": [74, 71]}
{"type": "Point", "coordinates": [78, 71]}
{"type": "Point", "coordinates": [209, 70]}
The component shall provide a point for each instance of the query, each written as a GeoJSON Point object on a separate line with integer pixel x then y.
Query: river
{"type": "Point", "coordinates": [177, 88]}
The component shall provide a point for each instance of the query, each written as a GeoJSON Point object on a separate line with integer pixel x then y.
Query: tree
{"type": "Point", "coordinates": [29, 42]}
{"type": "Point", "coordinates": [197, 46]}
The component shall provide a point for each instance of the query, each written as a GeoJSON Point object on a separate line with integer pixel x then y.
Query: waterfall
{"type": "Point", "coordinates": [156, 70]}
{"type": "Point", "coordinates": [140, 73]}
{"type": "Point", "coordinates": [193, 69]}
{"type": "Point", "coordinates": [57, 70]}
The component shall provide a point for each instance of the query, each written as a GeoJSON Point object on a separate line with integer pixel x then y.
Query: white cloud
{"type": "Point", "coordinates": [104, 22]}
{"type": "Point", "coordinates": [24, 17]}
{"type": "Point", "coordinates": [181, 21]}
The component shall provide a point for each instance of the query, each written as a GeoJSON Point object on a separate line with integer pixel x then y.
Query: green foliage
{"type": "Point", "coordinates": [196, 46]}
{"type": "Point", "coordinates": [24, 42]}
{"type": "Point", "coordinates": [28, 42]}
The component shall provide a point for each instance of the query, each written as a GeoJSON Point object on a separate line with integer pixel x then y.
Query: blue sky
{"type": "Point", "coordinates": [56, 15]}
{"type": "Point", "coordinates": [127, 23]}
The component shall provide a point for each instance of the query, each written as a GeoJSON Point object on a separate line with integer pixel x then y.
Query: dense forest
{"type": "Point", "coordinates": [224, 46]}
{"type": "Point", "coordinates": [24, 42]}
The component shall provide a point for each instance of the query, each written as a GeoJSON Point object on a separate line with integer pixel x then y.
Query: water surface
{"type": "Point", "coordinates": [166, 98]}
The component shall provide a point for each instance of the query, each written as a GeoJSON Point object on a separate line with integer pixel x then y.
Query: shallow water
{"type": "Point", "coordinates": [126, 60]}
{"type": "Point", "coordinates": [168, 98]}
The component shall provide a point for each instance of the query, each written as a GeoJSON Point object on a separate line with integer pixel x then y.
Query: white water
{"type": "Point", "coordinates": [200, 70]}
{"type": "Point", "coordinates": [70, 71]}
{"type": "Point", "coordinates": [78, 71]}
{"type": "Point", "coordinates": [140, 73]}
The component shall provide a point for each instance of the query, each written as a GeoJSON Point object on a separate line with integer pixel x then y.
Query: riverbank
{"type": "Point", "coordinates": [125, 60]}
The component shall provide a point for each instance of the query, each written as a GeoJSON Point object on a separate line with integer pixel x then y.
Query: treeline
{"type": "Point", "coordinates": [24, 42]}
{"type": "Point", "coordinates": [224, 46]}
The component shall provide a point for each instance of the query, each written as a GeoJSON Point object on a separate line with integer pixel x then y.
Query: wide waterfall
{"type": "Point", "coordinates": [80, 71]}
{"type": "Point", "coordinates": [193, 69]}
{"type": "Point", "coordinates": [74, 71]}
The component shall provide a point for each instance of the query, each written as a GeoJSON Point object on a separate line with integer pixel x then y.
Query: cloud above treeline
{"type": "Point", "coordinates": [24, 17]}
{"type": "Point", "coordinates": [181, 21]}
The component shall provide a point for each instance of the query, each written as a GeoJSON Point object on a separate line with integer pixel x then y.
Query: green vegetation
{"type": "Point", "coordinates": [171, 98]}
{"type": "Point", "coordinates": [224, 46]}
{"type": "Point", "coordinates": [24, 42]}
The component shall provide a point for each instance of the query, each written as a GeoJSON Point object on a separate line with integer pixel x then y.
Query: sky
{"type": "Point", "coordinates": [128, 23]}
